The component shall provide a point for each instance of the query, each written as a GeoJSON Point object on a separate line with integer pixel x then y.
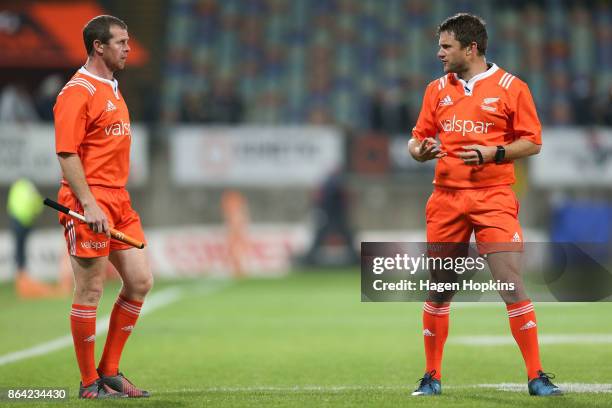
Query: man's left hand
{"type": "Point", "coordinates": [472, 158]}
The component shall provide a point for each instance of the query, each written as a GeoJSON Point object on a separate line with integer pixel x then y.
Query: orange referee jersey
{"type": "Point", "coordinates": [92, 120]}
{"type": "Point", "coordinates": [493, 108]}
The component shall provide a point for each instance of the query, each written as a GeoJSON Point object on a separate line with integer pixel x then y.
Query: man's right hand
{"type": "Point", "coordinates": [96, 219]}
{"type": "Point", "coordinates": [428, 149]}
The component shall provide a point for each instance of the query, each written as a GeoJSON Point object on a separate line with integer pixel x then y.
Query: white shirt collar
{"type": "Point", "coordinates": [114, 84]}
{"type": "Point", "coordinates": [468, 86]}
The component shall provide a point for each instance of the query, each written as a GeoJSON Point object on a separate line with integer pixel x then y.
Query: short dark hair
{"type": "Point", "coordinates": [98, 28]}
{"type": "Point", "coordinates": [467, 28]}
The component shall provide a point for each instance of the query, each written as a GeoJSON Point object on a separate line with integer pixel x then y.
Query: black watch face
{"type": "Point", "coordinates": [499, 156]}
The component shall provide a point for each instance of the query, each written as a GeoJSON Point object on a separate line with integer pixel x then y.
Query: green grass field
{"type": "Point", "coordinates": [305, 340]}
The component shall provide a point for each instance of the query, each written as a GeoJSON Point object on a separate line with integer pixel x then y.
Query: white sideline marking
{"type": "Point", "coordinates": [504, 340]}
{"type": "Point", "coordinates": [296, 388]}
{"type": "Point", "coordinates": [514, 387]}
{"type": "Point", "coordinates": [155, 301]}
{"type": "Point", "coordinates": [565, 387]}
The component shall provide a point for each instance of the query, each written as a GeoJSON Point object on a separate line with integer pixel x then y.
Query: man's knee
{"type": "Point", "coordinates": [90, 292]}
{"type": "Point", "coordinates": [141, 285]}
{"type": "Point", "coordinates": [147, 284]}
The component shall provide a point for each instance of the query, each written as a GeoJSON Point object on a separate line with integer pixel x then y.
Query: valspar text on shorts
{"type": "Point", "coordinates": [95, 245]}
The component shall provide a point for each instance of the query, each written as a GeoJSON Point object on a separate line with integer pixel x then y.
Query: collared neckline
{"type": "Point", "coordinates": [468, 86]}
{"type": "Point", "coordinates": [114, 84]}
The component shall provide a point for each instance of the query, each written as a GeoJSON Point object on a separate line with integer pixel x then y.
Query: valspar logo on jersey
{"type": "Point", "coordinates": [120, 128]}
{"type": "Point", "coordinates": [464, 126]}
{"type": "Point", "coordinates": [95, 245]}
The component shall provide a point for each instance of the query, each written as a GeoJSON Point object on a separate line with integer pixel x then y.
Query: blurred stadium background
{"type": "Point", "coordinates": [255, 121]}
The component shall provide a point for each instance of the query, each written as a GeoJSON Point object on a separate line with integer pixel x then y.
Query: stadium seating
{"type": "Point", "coordinates": [304, 61]}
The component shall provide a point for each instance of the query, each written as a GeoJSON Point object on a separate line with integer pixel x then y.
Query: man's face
{"type": "Point", "coordinates": [116, 50]}
{"type": "Point", "coordinates": [453, 57]}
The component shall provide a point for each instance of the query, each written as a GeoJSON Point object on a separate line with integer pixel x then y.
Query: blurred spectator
{"type": "Point", "coordinates": [318, 115]}
{"type": "Point", "coordinates": [16, 105]}
{"type": "Point", "coordinates": [149, 92]}
{"type": "Point", "coordinates": [332, 206]}
{"type": "Point", "coordinates": [47, 93]}
{"type": "Point", "coordinates": [560, 106]}
{"type": "Point", "coordinates": [560, 112]}
{"type": "Point", "coordinates": [24, 206]}
{"type": "Point", "coordinates": [222, 104]}
{"type": "Point", "coordinates": [606, 108]}
{"type": "Point", "coordinates": [389, 113]}
{"type": "Point", "coordinates": [237, 219]}
{"type": "Point", "coordinates": [583, 101]}
{"type": "Point", "coordinates": [192, 107]}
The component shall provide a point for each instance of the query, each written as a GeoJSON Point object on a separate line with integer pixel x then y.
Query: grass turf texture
{"type": "Point", "coordinates": [303, 340]}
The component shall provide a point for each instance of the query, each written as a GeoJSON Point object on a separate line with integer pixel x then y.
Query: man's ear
{"type": "Point", "coordinates": [472, 48]}
{"type": "Point", "coordinates": [98, 46]}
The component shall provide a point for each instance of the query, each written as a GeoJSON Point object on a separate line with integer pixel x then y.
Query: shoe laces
{"type": "Point", "coordinates": [120, 374]}
{"type": "Point", "coordinates": [426, 379]}
{"type": "Point", "coordinates": [546, 377]}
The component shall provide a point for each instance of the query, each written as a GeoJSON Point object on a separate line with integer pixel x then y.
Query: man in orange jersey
{"type": "Point", "coordinates": [92, 140]}
{"type": "Point", "coordinates": [485, 119]}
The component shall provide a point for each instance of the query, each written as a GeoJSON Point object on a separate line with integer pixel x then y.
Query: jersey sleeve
{"type": "Point", "coordinates": [426, 124]}
{"type": "Point", "coordinates": [70, 114]}
{"type": "Point", "coordinates": [525, 120]}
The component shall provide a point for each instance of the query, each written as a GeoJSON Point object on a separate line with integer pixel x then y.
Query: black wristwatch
{"type": "Point", "coordinates": [500, 155]}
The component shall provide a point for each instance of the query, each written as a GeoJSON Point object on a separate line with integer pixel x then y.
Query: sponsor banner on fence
{"type": "Point", "coordinates": [196, 251]}
{"type": "Point", "coordinates": [254, 156]}
{"type": "Point", "coordinates": [573, 157]}
{"type": "Point", "coordinates": [175, 252]}
{"type": "Point", "coordinates": [28, 150]}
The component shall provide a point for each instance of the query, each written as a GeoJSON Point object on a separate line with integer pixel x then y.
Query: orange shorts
{"type": "Point", "coordinates": [116, 204]}
{"type": "Point", "coordinates": [491, 213]}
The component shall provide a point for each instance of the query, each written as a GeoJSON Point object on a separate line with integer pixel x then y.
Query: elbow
{"type": "Point", "coordinates": [536, 149]}
{"type": "Point", "coordinates": [65, 155]}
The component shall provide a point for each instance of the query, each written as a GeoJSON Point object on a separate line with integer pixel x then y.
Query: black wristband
{"type": "Point", "coordinates": [480, 157]}
{"type": "Point", "coordinates": [500, 155]}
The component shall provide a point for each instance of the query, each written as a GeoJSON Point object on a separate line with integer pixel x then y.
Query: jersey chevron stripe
{"type": "Point", "coordinates": [84, 82]}
{"type": "Point", "coordinates": [503, 78]}
{"type": "Point", "coordinates": [509, 82]}
{"type": "Point", "coordinates": [69, 85]}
